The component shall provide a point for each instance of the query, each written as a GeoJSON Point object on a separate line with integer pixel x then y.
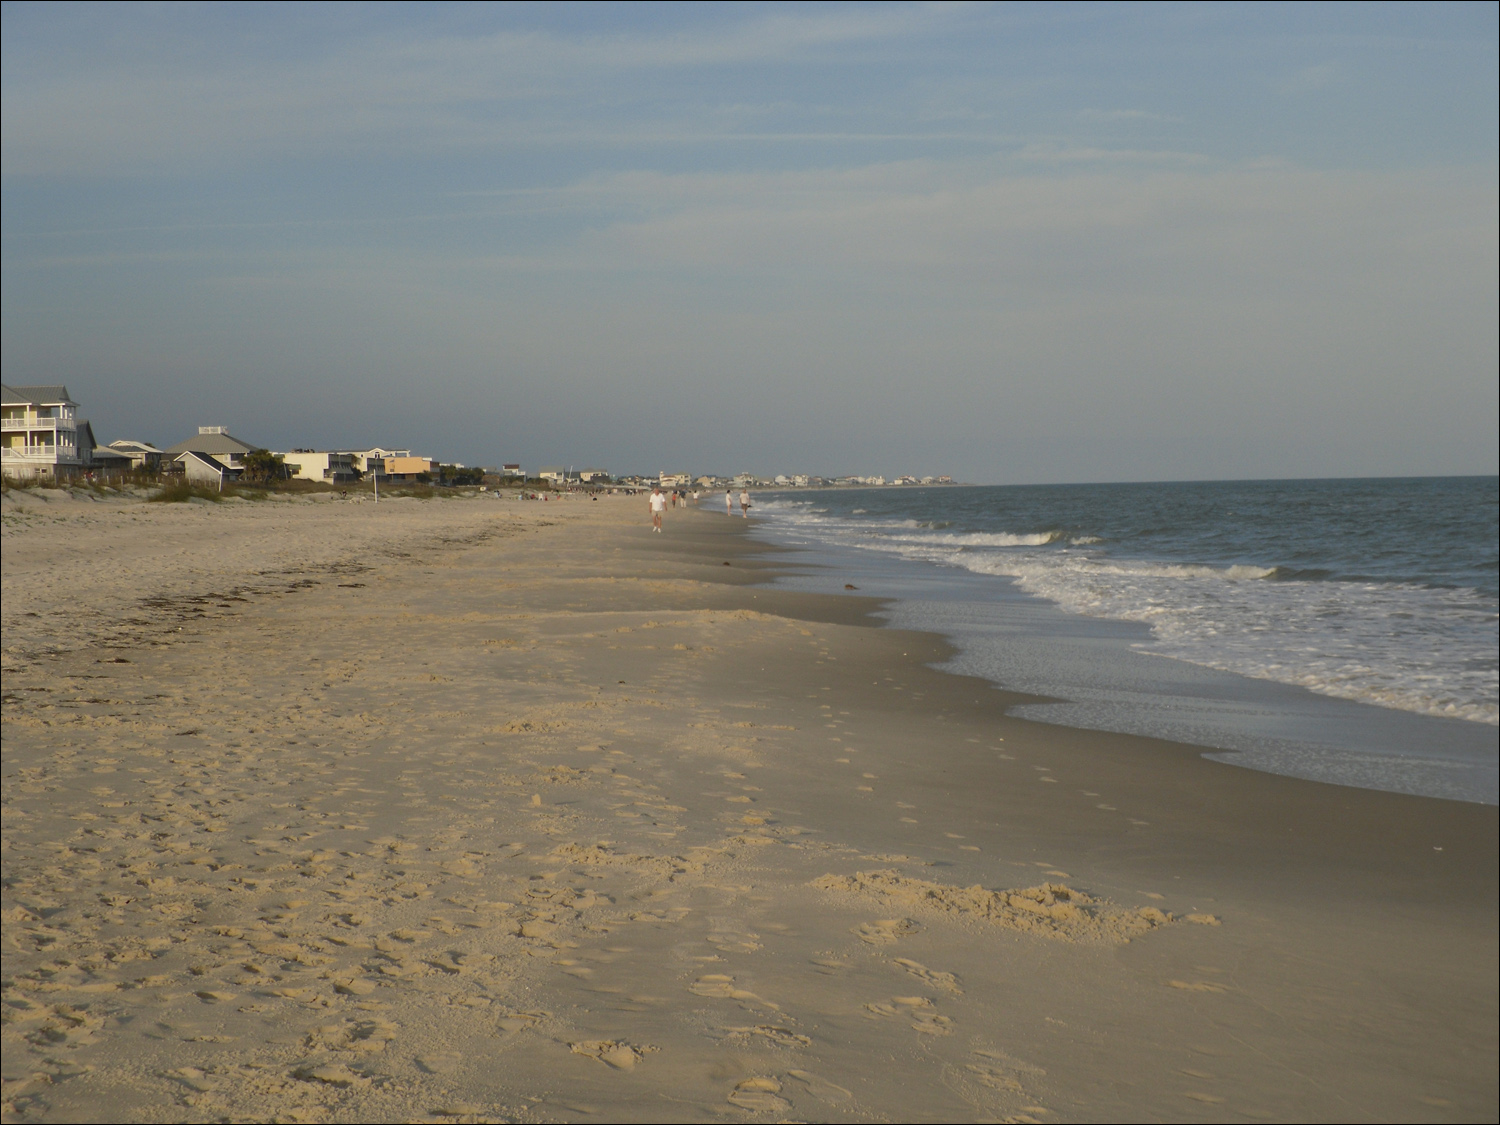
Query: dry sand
{"type": "Point", "coordinates": [488, 810]}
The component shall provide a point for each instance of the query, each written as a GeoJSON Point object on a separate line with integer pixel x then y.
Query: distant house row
{"type": "Point", "coordinates": [216, 455]}
{"type": "Point", "coordinates": [43, 436]}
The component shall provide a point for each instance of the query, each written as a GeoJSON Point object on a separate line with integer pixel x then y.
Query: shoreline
{"type": "Point", "coordinates": [1107, 672]}
{"type": "Point", "coordinates": [381, 808]}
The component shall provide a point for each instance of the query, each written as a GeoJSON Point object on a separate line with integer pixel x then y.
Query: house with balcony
{"type": "Point", "coordinates": [325, 466]}
{"type": "Point", "coordinates": [375, 461]}
{"type": "Point", "coordinates": [40, 432]}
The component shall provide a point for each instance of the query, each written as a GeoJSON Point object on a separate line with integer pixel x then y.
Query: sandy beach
{"type": "Point", "coordinates": [477, 809]}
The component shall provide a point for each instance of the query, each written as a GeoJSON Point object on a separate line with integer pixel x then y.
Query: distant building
{"type": "Point", "coordinates": [327, 466]}
{"type": "Point", "coordinates": [106, 459]}
{"type": "Point", "coordinates": [144, 457]}
{"type": "Point", "coordinates": [372, 462]}
{"type": "Point", "coordinates": [408, 468]}
{"type": "Point", "coordinates": [214, 442]}
{"type": "Point", "coordinates": [201, 468]}
{"type": "Point", "coordinates": [593, 476]}
{"type": "Point", "coordinates": [40, 432]}
{"type": "Point", "coordinates": [674, 480]}
{"type": "Point", "coordinates": [554, 473]}
{"type": "Point", "coordinates": [512, 471]}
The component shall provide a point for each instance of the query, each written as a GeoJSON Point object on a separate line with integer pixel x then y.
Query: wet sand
{"type": "Point", "coordinates": [489, 810]}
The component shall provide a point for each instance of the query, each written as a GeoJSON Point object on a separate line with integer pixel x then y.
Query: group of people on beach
{"type": "Point", "coordinates": [659, 501]}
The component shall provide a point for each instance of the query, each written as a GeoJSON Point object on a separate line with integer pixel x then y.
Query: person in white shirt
{"type": "Point", "coordinates": [658, 506]}
{"type": "Point", "coordinates": [745, 503]}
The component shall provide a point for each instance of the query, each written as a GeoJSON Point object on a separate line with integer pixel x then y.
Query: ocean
{"type": "Point", "coordinates": [1342, 630]}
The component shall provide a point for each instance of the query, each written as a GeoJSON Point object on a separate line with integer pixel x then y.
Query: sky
{"type": "Point", "coordinates": [1013, 243]}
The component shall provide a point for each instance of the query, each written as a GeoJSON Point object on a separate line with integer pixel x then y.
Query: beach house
{"type": "Point", "coordinates": [105, 459]}
{"type": "Point", "coordinates": [409, 468]}
{"type": "Point", "coordinates": [210, 444]}
{"type": "Point", "coordinates": [39, 425]}
{"type": "Point", "coordinates": [144, 457]}
{"type": "Point", "coordinates": [375, 460]}
{"type": "Point", "coordinates": [327, 466]}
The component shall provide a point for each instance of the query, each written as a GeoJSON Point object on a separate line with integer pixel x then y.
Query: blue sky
{"type": "Point", "coordinates": [1015, 243]}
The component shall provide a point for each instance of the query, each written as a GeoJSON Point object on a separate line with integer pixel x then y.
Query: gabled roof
{"type": "Point", "coordinates": [202, 459]}
{"type": "Point", "coordinates": [134, 446]}
{"type": "Point", "coordinates": [53, 394]}
{"type": "Point", "coordinates": [210, 443]}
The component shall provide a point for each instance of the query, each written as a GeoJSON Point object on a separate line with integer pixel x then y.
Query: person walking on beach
{"type": "Point", "coordinates": [658, 506]}
{"type": "Point", "coordinates": [729, 501]}
{"type": "Point", "coordinates": [745, 503]}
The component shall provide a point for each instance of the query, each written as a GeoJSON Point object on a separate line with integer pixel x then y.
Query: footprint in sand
{"type": "Point", "coordinates": [438, 1063]}
{"type": "Point", "coordinates": [729, 941]}
{"type": "Point", "coordinates": [821, 1088]}
{"type": "Point", "coordinates": [512, 1022]}
{"type": "Point", "coordinates": [919, 1011]}
{"type": "Point", "coordinates": [781, 1036]}
{"type": "Point", "coordinates": [994, 1077]}
{"type": "Point", "coordinates": [759, 1095]}
{"type": "Point", "coordinates": [1197, 986]}
{"type": "Point", "coordinates": [885, 931]}
{"type": "Point", "coordinates": [945, 981]}
{"type": "Point", "coordinates": [720, 987]}
{"type": "Point", "coordinates": [613, 1053]}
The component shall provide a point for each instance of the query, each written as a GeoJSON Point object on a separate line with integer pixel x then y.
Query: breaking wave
{"type": "Point", "coordinates": [1416, 644]}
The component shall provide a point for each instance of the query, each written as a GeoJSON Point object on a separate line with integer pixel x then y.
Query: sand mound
{"type": "Point", "coordinates": [1052, 908]}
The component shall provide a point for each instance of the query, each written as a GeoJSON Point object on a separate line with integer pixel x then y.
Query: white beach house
{"type": "Point", "coordinates": [40, 432]}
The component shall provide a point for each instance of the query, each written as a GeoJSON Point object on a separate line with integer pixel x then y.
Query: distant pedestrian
{"type": "Point", "coordinates": [658, 506]}
{"type": "Point", "coordinates": [729, 501]}
{"type": "Point", "coordinates": [745, 503]}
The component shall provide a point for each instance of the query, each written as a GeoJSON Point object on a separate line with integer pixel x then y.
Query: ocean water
{"type": "Point", "coordinates": [1380, 596]}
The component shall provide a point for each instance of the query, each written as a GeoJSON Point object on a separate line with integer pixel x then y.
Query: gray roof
{"type": "Point", "coordinates": [134, 446]}
{"type": "Point", "coordinates": [49, 394]}
{"type": "Point", "coordinates": [202, 459]}
{"type": "Point", "coordinates": [210, 443]}
{"type": "Point", "coordinates": [103, 453]}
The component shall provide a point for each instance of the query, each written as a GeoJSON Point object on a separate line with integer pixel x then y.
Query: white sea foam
{"type": "Point", "coordinates": [1394, 644]}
